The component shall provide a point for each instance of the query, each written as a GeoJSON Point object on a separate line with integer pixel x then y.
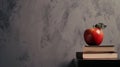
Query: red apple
{"type": "Point", "coordinates": [94, 36]}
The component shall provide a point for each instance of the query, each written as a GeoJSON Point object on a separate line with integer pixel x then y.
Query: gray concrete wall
{"type": "Point", "coordinates": [47, 33]}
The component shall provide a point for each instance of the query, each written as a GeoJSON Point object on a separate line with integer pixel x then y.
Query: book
{"type": "Point", "coordinates": [100, 56]}
{"type": "Point", "coordinates": [108, 48]}
{"type": "Point", "coordinates": [97, 56]}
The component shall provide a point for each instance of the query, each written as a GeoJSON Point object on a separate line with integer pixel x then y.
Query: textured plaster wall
{"type": "Point", "coordinates": [47, 33]}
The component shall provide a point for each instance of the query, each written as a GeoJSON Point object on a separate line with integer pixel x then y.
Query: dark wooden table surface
{"type": "Point", "coordinates": [82, 63]}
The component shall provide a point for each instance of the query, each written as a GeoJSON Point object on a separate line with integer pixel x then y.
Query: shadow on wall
{"type": "Point", "coordinates": [6, 9]}
{"type": "Point", "coordinates": [72, 63]}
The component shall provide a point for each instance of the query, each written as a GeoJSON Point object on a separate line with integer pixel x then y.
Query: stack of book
{"type": "Point", "coordinates": [98, 53]}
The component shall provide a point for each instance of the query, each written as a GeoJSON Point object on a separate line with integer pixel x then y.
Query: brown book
{"type": "Point", "coordinates": [96, 56]}
{"type": "Point", "coordinates": [103, 49]}
{"type": "Point", "coordinates": [100, 56]}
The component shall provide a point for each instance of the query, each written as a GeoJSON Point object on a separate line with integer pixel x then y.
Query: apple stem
{"type": "Point", "coordinates": [100, 25]}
